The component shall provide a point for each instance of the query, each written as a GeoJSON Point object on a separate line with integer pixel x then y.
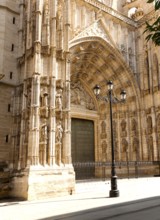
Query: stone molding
{"type": "Point", "coordinates": [97, 29]}
{"type": "Point", "coordinates": [111, 12]}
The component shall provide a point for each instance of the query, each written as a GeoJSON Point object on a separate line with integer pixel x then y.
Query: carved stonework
{"type": "Point", "coordinates": [96, 29]}
{"type": "Point", "coordinates": [45, 50]}
{"type": "Point", "coordinates": [59, 132]}
{"type": "Point", "coordinates": [150, 149]}
{"type": "Point", "coordinates": [149, 125]}
{"type": "Point", "coordinates": [103, 130]}
{"type": "Point", "coordinates": [134, 127]}
{"type": "Point", "coordinates": [59, 135]}
{"type": "Point", "coordinates": [114, 129]}
{"type": "Point", "coordinates": [135, 149]}
{"type": "Point", "coordinates": [124, 145]}
{"type": "Point", "coordinates": [43, 142]}
{"type": "Point", "coordinates": [45, 80]}
{"type": "Point", "coordinates": [123, 128]}
{"type": "Point", "coordinates": [44, 96]}
{"type": "Point", "coordinates": [43, 131]}
{"type": "Point", "coordinates": [80, 97]}
{"type": "Point", "coordinates": [104, 151]}
{"type": "Point", "coordinates": [124, 149]}
{"type": "Point", "coordinates": [158, 123]}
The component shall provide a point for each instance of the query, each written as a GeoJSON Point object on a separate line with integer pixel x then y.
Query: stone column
{"type": "Point", "coordinates": [66, 24]}
{"type": "Point", "coordinates": [52, 117]}
{"type": "Point", "coordinates": [33, 145]}
{"type": "Point", "coordinates": [28, 24]}
{"type": "Point", "coordinates": [21, 163]}
{"type": "Point", "coordinates": [155, 152]}
{"type": "Point", "coordinates": [20, 31]}
{"type": "Point", "coordinates": [66, 117]}
{"type": "Point", "coordinates": [52, 122]}
{"type": "Point", "coordinates": [66, 154]}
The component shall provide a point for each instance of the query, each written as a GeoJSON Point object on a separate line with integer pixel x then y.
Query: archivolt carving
{"type": "Point", "coordinates": [80, 97]}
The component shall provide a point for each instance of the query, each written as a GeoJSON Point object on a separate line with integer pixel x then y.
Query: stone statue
{"type": "Point", "coordinates": [59, 132]}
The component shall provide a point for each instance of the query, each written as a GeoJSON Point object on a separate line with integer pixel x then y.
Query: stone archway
{"type": "Point", "coordinates": [94, 61]}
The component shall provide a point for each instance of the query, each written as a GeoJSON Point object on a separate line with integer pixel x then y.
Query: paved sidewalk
{"type": "Point", "coordinates": [88, 195]}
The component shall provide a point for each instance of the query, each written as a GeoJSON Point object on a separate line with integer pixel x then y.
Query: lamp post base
{"type": "Point", "coordinates": [114, 193]}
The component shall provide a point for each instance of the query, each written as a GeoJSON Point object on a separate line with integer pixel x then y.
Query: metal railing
{"type": "Point", "coordinates": [130, 169]}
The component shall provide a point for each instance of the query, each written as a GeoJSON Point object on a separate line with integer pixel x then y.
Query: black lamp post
{"type": "Point", "coordinates": [114, 192]}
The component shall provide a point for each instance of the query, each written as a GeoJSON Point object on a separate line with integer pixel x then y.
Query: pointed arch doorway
{"type": "Point", "coordinates": [82, 147]}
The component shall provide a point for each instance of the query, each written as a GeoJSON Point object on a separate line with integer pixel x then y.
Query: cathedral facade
{"type": "Point", "coordinates": [53, 53]}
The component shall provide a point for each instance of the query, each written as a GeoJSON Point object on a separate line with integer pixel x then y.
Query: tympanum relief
{"type": "Point", "coordinates": [80, 97]}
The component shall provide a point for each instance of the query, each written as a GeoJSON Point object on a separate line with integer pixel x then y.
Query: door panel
{"type": "Point", "coordinates": [82, 144]}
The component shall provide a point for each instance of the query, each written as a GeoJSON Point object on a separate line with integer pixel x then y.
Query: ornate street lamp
{"type": "Point", "coordinates": [114, 192]}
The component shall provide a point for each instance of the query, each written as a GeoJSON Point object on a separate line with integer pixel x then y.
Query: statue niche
{"type": "Point", "coordinates": [135, 149]}
{"type": "Point", "coordinates": [104, 151]}
{"type": "Point", "coordinates": [134, 127]}
{"type": "Point", "coordinates": [103, 130]}
{"type": "Point", "coordinates": [43, 143]}
{"type": "Point", "coordinates": [124, 150]}
{"type": "Point", "coordinates": [149, 125]}
{"type": "Point", "coordinates": [123, 128]}
{"type": "Point", "coordinates": [59, 135]}
{"type": "Point", "coordinates": [150, 149]}
{"type": "Point", "coordinates": [44, 103]}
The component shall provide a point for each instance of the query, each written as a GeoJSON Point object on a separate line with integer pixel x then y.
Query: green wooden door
{"type": "Point", "coordinates": [83, 146]}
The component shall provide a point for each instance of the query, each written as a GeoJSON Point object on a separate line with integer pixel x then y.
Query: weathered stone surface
{"type": "Point", "coordinates": [53, 53]}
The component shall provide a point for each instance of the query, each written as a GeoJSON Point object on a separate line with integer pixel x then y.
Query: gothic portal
{"type": "Point", "coordinates": [53, 53]}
